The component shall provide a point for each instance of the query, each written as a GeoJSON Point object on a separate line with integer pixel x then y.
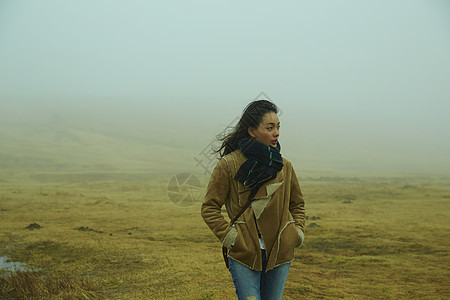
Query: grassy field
{"type": "Point", "coordinates": [118, 236]}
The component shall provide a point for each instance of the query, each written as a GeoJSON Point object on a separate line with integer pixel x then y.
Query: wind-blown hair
{"type": "Point", "coordinates": [251, 117]}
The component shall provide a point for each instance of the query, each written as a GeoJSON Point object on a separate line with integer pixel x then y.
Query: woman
{"type": "Point", "coordinates": [260, 244]}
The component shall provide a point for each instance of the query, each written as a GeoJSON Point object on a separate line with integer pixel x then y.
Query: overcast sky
{"type": "Point", "coordinates": [355, 80]}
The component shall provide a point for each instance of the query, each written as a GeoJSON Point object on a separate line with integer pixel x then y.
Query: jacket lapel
{"type": "Point", "coordinates": [259, 204]}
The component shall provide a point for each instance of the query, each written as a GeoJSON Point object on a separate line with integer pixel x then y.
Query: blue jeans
{"type": "Point", "coordinates": [262, 285]}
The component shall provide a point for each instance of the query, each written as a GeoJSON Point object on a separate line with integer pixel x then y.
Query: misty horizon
{"type": "Point", "coordinates": [361, 86]}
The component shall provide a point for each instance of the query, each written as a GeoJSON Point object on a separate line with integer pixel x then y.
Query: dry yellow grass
{"type": "Point", "coordinates": [377, 238]}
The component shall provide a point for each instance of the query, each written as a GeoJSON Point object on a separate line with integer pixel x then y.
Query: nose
{"type": "Point", "coordinates": [276, 133]}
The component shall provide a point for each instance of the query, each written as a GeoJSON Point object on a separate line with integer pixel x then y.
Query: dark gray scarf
{"type": "Point", "coordinates": [262, 164]}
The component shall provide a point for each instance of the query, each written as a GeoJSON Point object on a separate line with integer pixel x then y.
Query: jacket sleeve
{"type": "Point", "coordinates": [216, 194]}
{"type": "Point", "coordinates": [297, 206]}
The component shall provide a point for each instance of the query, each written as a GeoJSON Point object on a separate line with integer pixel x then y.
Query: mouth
{"type": "Point", "coordinates": [274, 142]}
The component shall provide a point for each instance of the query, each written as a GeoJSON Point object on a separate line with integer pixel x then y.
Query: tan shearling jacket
{"type": "Point", "coordinates": [277, 212]}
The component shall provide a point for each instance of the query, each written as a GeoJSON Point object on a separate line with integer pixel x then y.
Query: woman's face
{"type": "Point", "coordinates": [268, 131]}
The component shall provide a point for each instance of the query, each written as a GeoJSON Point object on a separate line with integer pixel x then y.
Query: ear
{"type": "Point", "coordinates": [251, 131]}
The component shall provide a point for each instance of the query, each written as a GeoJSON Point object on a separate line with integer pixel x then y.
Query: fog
{"type": "Point", "coordinates": [361, 85]}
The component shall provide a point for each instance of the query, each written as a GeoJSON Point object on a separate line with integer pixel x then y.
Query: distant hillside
{"type": "Point", "coordinates": [48, 148]}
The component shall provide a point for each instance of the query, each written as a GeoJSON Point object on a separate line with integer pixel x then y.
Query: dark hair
{"type": "Point", "coordinates": [251, 117]}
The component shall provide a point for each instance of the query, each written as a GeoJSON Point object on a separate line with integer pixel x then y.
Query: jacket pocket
{"type": "Point", "coordinates": [288, 240]}
{"type": "Point", "coordinates": [243, 249]}
{"type": "Point", "coordinates": [300, 233]}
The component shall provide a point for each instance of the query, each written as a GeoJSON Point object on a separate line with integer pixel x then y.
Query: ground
{"type": "Point", "coordinates": [118, 236]}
